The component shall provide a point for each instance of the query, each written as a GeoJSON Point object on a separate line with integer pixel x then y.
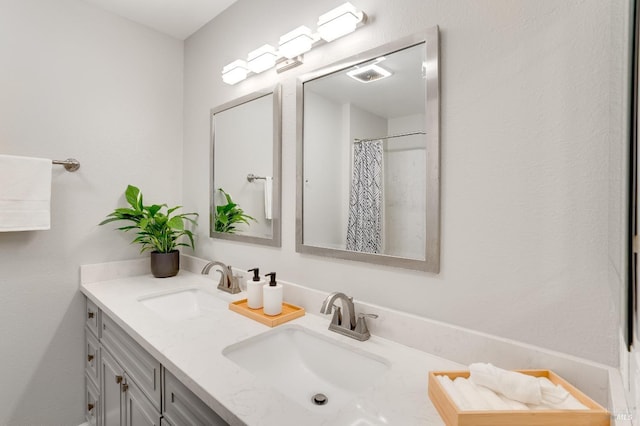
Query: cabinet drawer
{"type": "Point", "coordinates": [134, 359]}
{"type": "Point", "coordinates": [183, 407]}
{"type": "Point", "coordinates": [92, 401]}
{"type": "Point", "coordinates": [92, 354]}
{"type": "Point", "coordinates": [91, 317]}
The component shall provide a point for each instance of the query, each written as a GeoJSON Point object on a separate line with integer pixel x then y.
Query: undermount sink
{"type": "Point", "coordinates": [315, 371]}
{"type": "Point", "coordinates": [183, 304]}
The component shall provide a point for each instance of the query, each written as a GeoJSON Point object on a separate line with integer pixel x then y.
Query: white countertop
{"type": "Point", "coordinates": [192, 351]}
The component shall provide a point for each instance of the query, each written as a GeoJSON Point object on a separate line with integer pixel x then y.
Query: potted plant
{"type": "Point", "coordinates": [227, 216]}
{"type": "Point", "coordinates": [155, 230]}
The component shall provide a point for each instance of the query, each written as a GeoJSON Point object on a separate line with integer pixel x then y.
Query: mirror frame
{"type": "Point", "coordinates": [275, 240]}
{"type": "Point", "coordinates": [431, 263]}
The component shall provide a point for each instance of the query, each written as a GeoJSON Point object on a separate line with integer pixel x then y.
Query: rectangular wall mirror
{"type": "Point", "coordinates": [368, 181]}
{"type": "Point", "coordinates": [245, 170]}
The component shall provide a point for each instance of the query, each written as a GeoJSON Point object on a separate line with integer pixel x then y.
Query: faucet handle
{"type": "Point", "coordinates": [361, 324]}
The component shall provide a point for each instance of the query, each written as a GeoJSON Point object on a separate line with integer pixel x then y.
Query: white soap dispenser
{"type": "Point", "coordinates": [254, 290]}
{"type": "Point", "coordinates": [272, 296]}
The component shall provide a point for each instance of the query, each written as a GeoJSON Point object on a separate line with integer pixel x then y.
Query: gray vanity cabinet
{"type": "Point", "coordinates": [93, 405]}
{"type": "Point", "coordinates": [123, 401]}
{"type": "Point", "coordinates": [124, 386]}
{"type": "Point", "coordinates": [183, 407]}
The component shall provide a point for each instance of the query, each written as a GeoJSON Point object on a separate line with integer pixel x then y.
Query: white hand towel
{"type": "Point", "coordinates": [513, 405]}
{"type": "Point", "coordinates": [268, 197]}
{"type": "Point", "coordinates": [25, 193]}
{"type": "Point", "coordinates": [447, 384]}
{"type": "Point", "coordinates": [514, 385]}
{"type": "Point", "coordinates": [469, 392]}
{"type": "Point", "coordinates": [552, 394]}
{"type": "Point", "coordinates": [495, 402]}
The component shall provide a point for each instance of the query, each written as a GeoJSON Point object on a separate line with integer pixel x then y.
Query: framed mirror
{"type": "Point", "coordinates": [368, 156]}
{"type": "Point", "coordinates": [246, 141]}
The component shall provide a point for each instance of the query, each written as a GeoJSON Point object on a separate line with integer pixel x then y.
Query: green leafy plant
{"type": "Point", "coordinates": [156, 230]}
{"type": "Point", "coordinates": [227, 216]}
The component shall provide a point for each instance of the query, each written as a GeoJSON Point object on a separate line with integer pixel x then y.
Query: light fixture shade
{"type": "Point", "coordinates": [234, 72]}
{"type": "Point", "coordinates": [262, 58]}
{"type": "Point", "coordinates": [296, 42]}
{"type": "Point", "coordinates": [338, 22]}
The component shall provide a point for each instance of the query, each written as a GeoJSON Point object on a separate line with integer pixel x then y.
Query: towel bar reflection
{"type": "Point", "coordinates": [70, 164]}
{"type": "Point", "coordinates": [251, 177]}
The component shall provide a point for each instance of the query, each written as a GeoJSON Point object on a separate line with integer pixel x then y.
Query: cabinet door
{"type": "Point", "coordinates": [138, 411]}
{"type": "Point", "coordinates": [183, 407]}
{"type": "Point", "coordinates": [92, 361]}
{"type": "Point", "coordinates": [135, 360]}
{"type": "Point", "coordinates": [92, 401]}
{"type": "Point", "coordinates": [111, 390]}
{"type": "Point", "coordinates": [91, 317]}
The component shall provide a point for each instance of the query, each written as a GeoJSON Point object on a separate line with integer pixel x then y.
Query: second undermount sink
{"type": "Point", "coordinates": [317, 372]}
{"type": "Point", "coordinates": [182, 304]}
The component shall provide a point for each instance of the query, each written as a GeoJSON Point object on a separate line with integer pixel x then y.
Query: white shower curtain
{"type": "Point", "coordinates": [364, 229]}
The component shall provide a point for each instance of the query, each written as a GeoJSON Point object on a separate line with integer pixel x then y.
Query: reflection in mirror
{"type": "Point", "coordinates": [245, 186]}
{"type": "Point", "coordinates": [368, 157]}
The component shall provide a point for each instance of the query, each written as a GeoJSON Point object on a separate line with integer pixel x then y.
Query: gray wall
{"type": "Point", "coordinates": [75, 82]}
{"type": "Point", "coordinates": [527, 128]}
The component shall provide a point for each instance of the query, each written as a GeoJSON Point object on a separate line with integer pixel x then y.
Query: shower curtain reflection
{"type": "Point", "coordinates": [364, 229]}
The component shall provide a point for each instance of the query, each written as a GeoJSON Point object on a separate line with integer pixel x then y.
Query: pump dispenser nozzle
{"type": "Point", "coordinates": [272, 281]}
{"type": "Point", "coordinates": [256, 274]}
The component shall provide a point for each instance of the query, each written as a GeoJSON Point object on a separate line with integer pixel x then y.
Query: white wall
{"type": "Point", "coordinates": [405, 196]}
{"type": "Point", "coordinates": [323, 172]}
{"type": "Point", "coordinates": [526, 132]}
{"type": "Point", "coordinates": [75, 82]}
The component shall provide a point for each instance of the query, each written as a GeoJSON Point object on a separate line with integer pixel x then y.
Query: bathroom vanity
{"type": "Point", "coordinates": [170, 352]}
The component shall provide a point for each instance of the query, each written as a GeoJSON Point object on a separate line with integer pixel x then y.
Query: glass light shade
{"type": "Point", "coordinates": [234, 72]}
{"type": "Point", "coordinates": [296, 42]}
{"type": "Point", "coordinates": [339, 22]}
{"type": "Point", "coordinates": [262, 58]}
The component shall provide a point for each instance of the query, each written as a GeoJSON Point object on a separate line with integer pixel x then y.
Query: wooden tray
{"type": "Point", "coordinates": [596, 415]}
{"type": "Point", "coordinates": [288, 313]}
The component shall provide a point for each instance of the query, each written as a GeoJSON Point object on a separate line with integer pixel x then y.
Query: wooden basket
{"type": "Point", "coordinates": [596, 415]}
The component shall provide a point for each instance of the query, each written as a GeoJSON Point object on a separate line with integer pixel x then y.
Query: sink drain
{"type": "Point", "coordinates": [319, 399]}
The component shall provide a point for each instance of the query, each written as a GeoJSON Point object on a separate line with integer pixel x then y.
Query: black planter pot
{"type": "Point", "coordinates": [164, 265]}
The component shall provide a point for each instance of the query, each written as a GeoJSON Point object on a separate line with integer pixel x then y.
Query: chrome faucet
{"type": "Point", "coordinates": [228, 282]}
{"type": "Point", "coordinates": [347, 324]}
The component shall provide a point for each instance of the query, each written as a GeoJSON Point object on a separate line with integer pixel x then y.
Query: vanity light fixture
{"type": "Point", "coordinates": [296, 42]}
{"type": "Point", "coordinates": [336, 23]}
{"type": "Point", "coordinates": [369, 73]}
{"type": "Point", "coordinates": [339, 22]}
{"type": "Point", "coordinates": [262, 58]}
{"type": "Point", "coordinates": [234, 72]}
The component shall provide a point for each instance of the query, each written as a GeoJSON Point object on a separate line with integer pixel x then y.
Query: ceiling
{"type": "Point", "coordinates": [177, 18]}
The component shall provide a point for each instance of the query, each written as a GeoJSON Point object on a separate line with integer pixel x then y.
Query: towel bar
{"type": "Point", "coordinates": [70, 164]}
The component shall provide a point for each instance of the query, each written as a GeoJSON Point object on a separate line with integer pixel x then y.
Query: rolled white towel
{"type": "Point", "coordinates": [551, 393]}
{"type": "Point", "coordinates": [514, 405]}
{"type": "Point", "coordinates": [514, 385]}
{"type": "Point", "coordinates": [494, 401]}
{"type": "Point", "coordinates": [447, 384]}
{"type": "Point", "coordinates": [469, 392]}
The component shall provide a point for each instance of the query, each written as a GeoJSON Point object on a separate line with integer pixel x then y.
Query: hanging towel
{"type": "Point", "coordinates": [25, 193]}
{"type": "Point", "coordinates": [268, 197]}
